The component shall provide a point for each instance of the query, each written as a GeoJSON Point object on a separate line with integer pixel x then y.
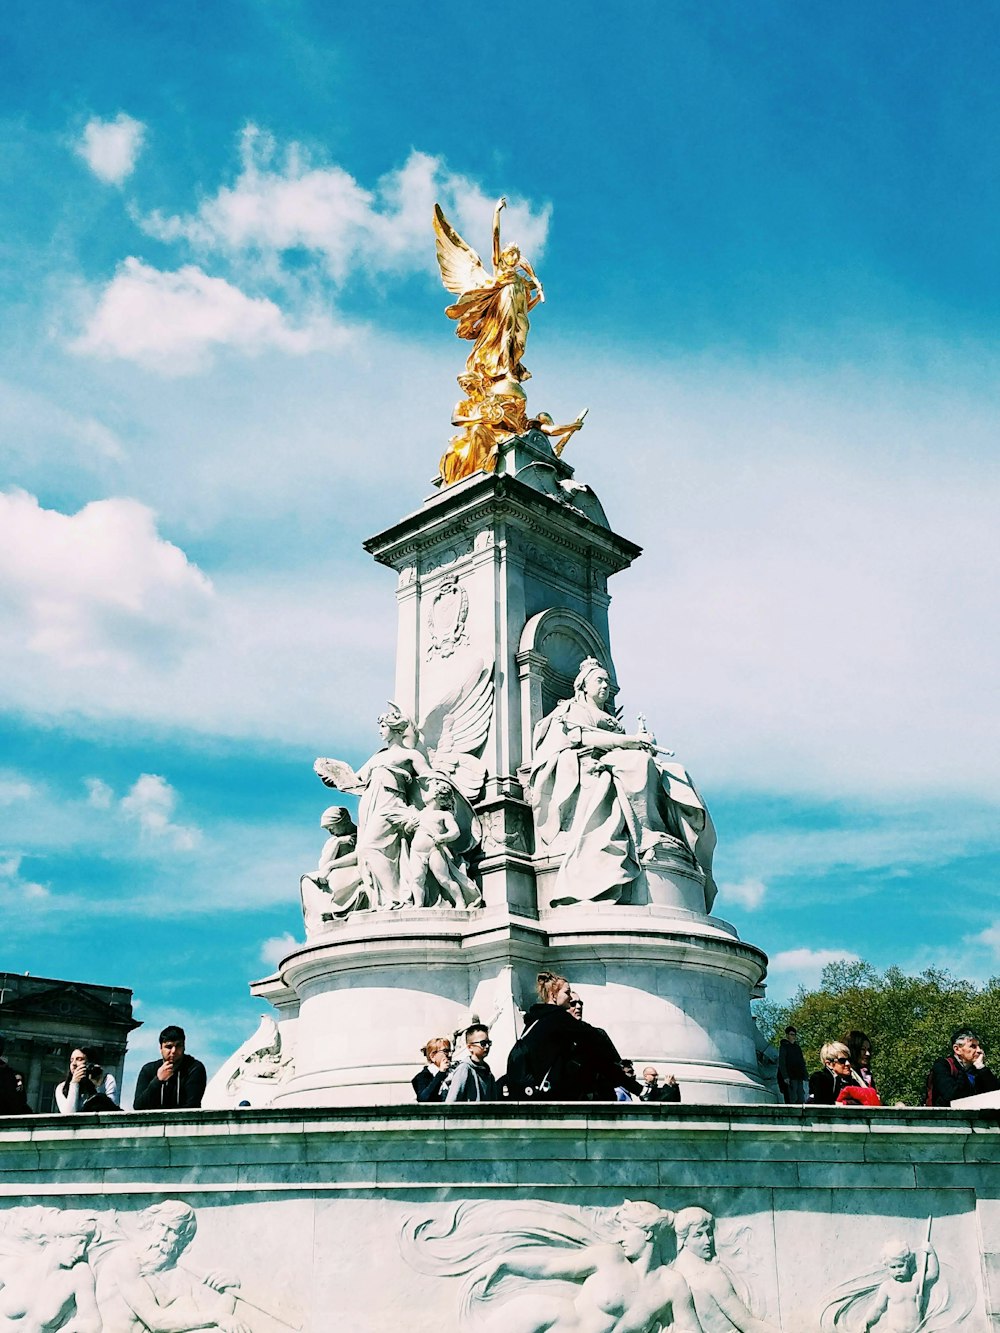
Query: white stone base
{"type": "Point", "coordinates": [318, 1218]}
{"type": "Point", "coordinates": [672, 988]}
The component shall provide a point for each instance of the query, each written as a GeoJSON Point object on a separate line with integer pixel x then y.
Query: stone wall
{"type": "Point", "coordinates": [397, 1217]}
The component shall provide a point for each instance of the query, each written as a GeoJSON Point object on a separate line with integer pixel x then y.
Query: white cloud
{"type": "Point", "coordinates": [804, 967]}
{"type": "Point", "coordinates": [279, 946]}
{"type": "Point", "coordinates": [15, 789]}
{"type": "Point", "coordinates": [283, 201]}
{"type": "Point", "coordinates": [812, 615]}
{"type": "Point", "coordinates": [110, 147]}
{"type": "Point", "coordinates": [41, 433]}
{"type": "Point", "coordinates": [97, 588]}
{"type": "Point", "coordinates": [174, 322]}
{"type": "Point", "coordinates": [151, 802]}
{"type": "Point", "coordinates": [748, 893]}
{"type": "Point", "coordinates": [988, 938]}
{"type": "Point", "coordinates": [99, 794]}
{"type": "Point", "coordinates": [14, 890]}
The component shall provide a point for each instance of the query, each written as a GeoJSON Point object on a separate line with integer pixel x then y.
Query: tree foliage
{"type": "Point", "coordinates": [908, 1019]}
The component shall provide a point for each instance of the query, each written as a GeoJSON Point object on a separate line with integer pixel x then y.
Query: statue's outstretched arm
{"type": "Point", "coordinates": [570, 1265]}
{"type": "Point", "coordinates": [539, 294]}
{"type": "Point", "coordinates": [501, 204]}
{"type": "Point", "coordinates": [732, 1307]}
{"type": "Point", "coordinates": [340, 776]}
{"type": "Point", "coordinates": [595, 738]}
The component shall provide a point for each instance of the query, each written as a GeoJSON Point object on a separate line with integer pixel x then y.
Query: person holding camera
{"type": "Point", "coordinates": [87, 1087]}
{"type": "Point", "coordinates": [427, 1081]}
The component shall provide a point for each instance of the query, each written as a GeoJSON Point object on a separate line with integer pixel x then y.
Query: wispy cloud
{"type": "Point", "coordinates": [862, 840]}
{"type": "Point", "coordinates": [99, 794]}
{"type": "Point", "coordinates": [174, 322]}
{"type": "Point", "coordinates": [110, 147]}
{"type": "Point", "coordinates": [748, 893]}
{"type": "Point", "coordinates": [151, 802]}
{"type": "Point", "coordinates": [13, 788]}
{"type": "Point", "coordinates": [803, 967]}
{"type": "Point", "coordinates": [988, 939]}
{"type": "Point", "coordinates": [15, 890]}
{"type": "Point", "coordinates": [283, 200]}
{"type": "Point", "coordinates": [277, 947]}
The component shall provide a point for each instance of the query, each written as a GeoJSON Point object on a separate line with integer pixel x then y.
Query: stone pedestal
{"type": "Point", "coordinates": [326, 1220]}
{"type": "Point", "coordinates": [670, 985]}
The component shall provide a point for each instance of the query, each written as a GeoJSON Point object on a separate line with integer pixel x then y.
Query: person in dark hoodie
{"type": "Point", "coordinates": [12, 1100]}
{"type": "Point", "coordinates": [559, 1057]}
{"type": "Point", "coordinates": [176, 1081]}
{"type": "Point", "coordinates": [609, 1071]}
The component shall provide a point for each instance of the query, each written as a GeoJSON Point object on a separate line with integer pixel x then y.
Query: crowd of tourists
{"type": "Point", "coordinates": [845, 1077]}
{"type": "Point", "coordinates": [559, 1056]}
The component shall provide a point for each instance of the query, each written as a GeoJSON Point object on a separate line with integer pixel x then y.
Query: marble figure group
{"type": "Point", "coordinates": [75, 1272]}
{"type": "Point", "coordinates": [533, 1267]}
{"type": "Point", "coordinates": [416, 827]}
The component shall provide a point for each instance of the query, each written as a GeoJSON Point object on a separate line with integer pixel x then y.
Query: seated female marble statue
{"type": "Point", "coordinates": [335, 887]}
{"type": "Point", "coordinates": [610, 805]}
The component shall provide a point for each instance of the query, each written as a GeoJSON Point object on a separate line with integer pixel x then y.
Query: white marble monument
{"type": "Point", "coordinates": [509, 822]}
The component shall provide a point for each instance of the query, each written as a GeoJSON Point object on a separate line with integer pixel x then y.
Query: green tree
{"type": "Point", "coordinates": [908, 1019]}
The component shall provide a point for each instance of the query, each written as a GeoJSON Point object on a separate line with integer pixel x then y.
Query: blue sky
{"type": "Point", "coordinates": [767, 235]}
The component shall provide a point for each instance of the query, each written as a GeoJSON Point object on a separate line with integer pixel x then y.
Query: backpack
{"type": "Point", "coordinates": [929, 1095]}
{"type": "Point", "coordinates": [522, 1081]}
{"type": "Point", "coordinates": [100, 1102]}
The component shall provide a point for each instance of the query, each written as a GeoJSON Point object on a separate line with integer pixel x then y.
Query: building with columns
{"type": "Point", "coordinates": [44, 1019]}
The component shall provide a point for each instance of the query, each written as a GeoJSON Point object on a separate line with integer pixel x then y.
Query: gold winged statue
{"type": "Point", "coordinates": [492, 313]}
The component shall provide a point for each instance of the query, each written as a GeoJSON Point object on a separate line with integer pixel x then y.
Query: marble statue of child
{"type": "Point", "coordinates": [899, 1305]}
{"type": "Point", "coordinates": [434, 871]}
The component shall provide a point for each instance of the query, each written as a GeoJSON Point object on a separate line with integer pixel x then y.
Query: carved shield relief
{"type": "Point", "coordinates": [446, 617]}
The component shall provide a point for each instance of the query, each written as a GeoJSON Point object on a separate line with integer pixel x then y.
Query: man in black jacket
{"type": "Point", "coordinates": [655, 1091]}
{"type": "Point", "coordinates": [173, 1082]}
{"type": "Point", "coordinates": [793, 1076]}
{"type": "Point", "coordinates": [12, 1100]}
{"type": "Point", "coordinates": [962, 1074]}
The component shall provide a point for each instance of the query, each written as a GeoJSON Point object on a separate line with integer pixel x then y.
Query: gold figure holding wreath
{"type": "Point", "coordinates": [491, 312]}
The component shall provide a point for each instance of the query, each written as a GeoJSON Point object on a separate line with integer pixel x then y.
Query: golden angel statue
{"type": "Point", "coordinates": [492, 313]}
{"type": "Point", "coordinates": [492, 308]}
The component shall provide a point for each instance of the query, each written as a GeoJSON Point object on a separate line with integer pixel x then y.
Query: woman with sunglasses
{"type": "Point", "coordinates": [826, 1085]}
{"type": "Point", "coordinates": [427, 1081]}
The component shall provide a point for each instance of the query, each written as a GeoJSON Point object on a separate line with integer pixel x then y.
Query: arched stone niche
{"type": "Point", "coordinates": [553, 644]}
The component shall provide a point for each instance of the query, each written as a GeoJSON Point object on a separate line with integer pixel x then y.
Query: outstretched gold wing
{"type": "Point", "coordinates": [461, 268]}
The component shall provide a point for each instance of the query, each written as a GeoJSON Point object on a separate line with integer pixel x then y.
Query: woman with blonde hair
{"type": "Point", "coordinates": [826, 1085]}
{"type": "Point", "coordinates": [559, 1057]}
{"type": "Point", "coordinates": [427, 1082]}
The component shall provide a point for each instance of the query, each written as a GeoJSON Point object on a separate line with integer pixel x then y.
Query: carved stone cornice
{"type": "Point", "coordinates": [494, 502]}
